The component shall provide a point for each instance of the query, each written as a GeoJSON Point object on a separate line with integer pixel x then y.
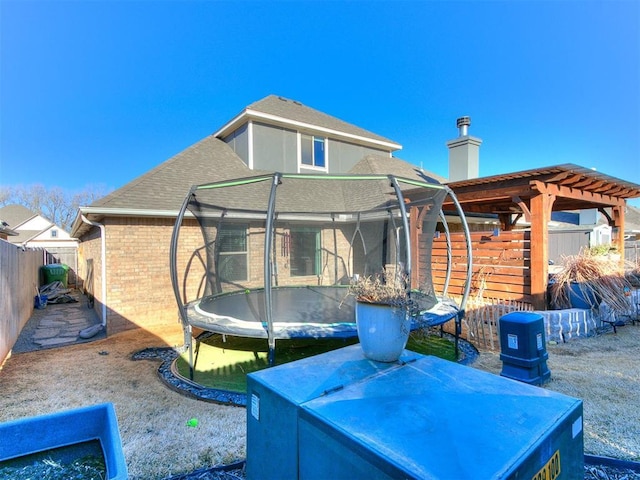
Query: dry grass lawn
{"type": "Point", "coordinates": [603, 371]}
{"type": "Point", "coordinates": [152, 418]}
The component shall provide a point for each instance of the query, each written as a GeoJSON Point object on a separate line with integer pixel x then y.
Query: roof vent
{"type": "Point", "coordinates": [463, 125]}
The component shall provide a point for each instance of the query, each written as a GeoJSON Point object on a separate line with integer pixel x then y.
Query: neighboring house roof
{"type": "Point", "coordinates": [277, 110]}
{"type": "Point", "coordinates": [23, 236]}
{"type": "Point", "coordinates": [31, 228]}
{"type": "Point", "coordinates": [632, 220]}
{"type": "Point", "coordinates": [15, 215]}
{"type": "Point", "coordinates": [5, 231]}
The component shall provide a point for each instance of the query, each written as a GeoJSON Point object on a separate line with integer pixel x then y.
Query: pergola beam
{"type": "Point", "coordinates": [536, 193]}
{"type": "Point", "coordinates": [577, 194]}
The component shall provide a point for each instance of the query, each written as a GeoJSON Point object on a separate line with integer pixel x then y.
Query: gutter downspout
{"type": "Point", "coordinates": [103, 257]}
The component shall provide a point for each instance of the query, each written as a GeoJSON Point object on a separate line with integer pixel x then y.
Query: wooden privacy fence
{"type": "Point", "coordinates": [500, 280]}
{"type": "Point", "coordinates": [501, 264]}
{"type": "Point", "coordinates": [19, 271]}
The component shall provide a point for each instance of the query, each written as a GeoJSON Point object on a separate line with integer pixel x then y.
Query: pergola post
{"type": "Point", "coordinates": [541, 206]}
{"type": "Point", "coordinates": [505, 222]}
{"type": "Point", "coordinates": [617, 239]}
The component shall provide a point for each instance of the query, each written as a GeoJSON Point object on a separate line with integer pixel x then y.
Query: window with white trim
{"type": "Point", "coordinates": [305, 251]}
{"type": "Point", "coordinates": [232, 253]}
{"type": "Point", "coordinates": [313, 151]}
{"type": "Point", "coordinates": [54, 233]}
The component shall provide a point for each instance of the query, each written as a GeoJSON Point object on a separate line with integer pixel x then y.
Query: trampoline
{"type": "Point", "coordinates": [298, 312]}
{"type": "Point", "coordinates": [272, 256]}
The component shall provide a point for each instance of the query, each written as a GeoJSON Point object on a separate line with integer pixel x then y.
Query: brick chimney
{"type": "Point", "coordinates": [464, 153]}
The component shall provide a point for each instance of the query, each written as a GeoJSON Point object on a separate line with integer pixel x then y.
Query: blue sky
{"type": "Point", "coordinates": [98, 92]}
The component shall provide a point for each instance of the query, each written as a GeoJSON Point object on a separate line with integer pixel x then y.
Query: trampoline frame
{"type": "Point", "coordinates": [276, 178]}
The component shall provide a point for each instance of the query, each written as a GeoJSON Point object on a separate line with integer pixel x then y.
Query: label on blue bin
{"type": "Point", "coordinates": [512, 341]}
{"type": "Point", "coordinates": [539, 341]}
{"type": "Point", "coordinates": [255, 406]}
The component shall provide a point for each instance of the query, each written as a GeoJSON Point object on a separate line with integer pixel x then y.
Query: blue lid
{"type": "Point", "coordinates": [522, 317]}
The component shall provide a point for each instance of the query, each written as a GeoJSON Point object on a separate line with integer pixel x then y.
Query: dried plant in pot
{"type": "Point", "coordinates": [383, 314]}
{"type": "Point", "coordinates": [586, 279]}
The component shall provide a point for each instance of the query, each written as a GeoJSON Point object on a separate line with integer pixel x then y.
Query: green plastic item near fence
{"type": "Point", "coordinates": [55, 272]}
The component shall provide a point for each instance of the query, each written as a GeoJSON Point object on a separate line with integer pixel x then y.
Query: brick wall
{"type": "Point", "coordinates": [139, 289]}
{"type": "Point", "coordinates": [89, 250]}
{"type": "Point", "coordinates": [140, 292]}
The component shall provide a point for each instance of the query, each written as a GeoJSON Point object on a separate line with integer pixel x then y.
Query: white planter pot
{"type": "Point", "coordinates": [383, 331]}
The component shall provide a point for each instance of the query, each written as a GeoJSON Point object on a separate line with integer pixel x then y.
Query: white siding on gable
{"type": "Point", "coordinates": [44, 239]}
{"type": "Point", "coordinates": [36, 223]}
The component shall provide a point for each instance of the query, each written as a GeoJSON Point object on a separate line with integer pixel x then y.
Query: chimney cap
{"type": "Point", "coordinates": [463, 121]}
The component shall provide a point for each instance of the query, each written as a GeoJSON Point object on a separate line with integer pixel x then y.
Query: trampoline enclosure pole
{"type": "Point", "coordinates": [268, 242]}
{"type": "Point", "coordinates": [467, 284]}
{"type": "Point", "coordinates": [405, 225]}
{"type": "Point", "coordinates": [173, 271]}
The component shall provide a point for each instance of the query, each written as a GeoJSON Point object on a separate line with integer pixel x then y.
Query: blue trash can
{"type": "Point", "coordinates": [523, 348]}
{"type": "Point", "coordinates": [40, 301]}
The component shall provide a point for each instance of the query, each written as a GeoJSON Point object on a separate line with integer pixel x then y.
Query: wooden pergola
{"type": "Point", "coordinates": [534, 194]}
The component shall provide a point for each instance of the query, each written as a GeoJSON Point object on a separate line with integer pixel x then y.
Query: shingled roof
{"type": "Point", "coordinates": [291, 113]}
{"type": "Point", "coordinates": [381, 165]}
{"type": "Point", "coordinates": [164, 187]}
{"type": "Point", "coordinates": [161, 191]}
{"type": "Point", "coordinates": [16, 214]}
{"type": "Point", "coordinates": [304, 196]}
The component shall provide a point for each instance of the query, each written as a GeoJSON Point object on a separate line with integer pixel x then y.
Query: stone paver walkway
{"type": "Point", "coordinates": [58, 325]}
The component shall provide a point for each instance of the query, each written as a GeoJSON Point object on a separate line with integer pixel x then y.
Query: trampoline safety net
{"type": "Point", "coordinates": [283, 231]}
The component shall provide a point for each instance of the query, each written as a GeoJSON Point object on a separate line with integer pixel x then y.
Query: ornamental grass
{"type": "Point", "coordinates": [598, 275]}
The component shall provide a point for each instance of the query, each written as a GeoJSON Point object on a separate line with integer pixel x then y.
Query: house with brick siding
{"type": "Point", "coordinates": [125, 236]}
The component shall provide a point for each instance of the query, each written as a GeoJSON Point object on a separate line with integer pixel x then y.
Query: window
{"type": "Point", "coordinates": [232, 253]}
{"type": "Point", "coordinates": [54, 233]}
{"type": "Point", "coordinates": [305, 251]}
{"type": "Point", "coordinates": [312, 151]}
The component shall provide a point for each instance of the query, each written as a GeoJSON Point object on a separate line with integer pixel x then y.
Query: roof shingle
{"type": "Point", "coordinates": [292, 110]}
{"type": "Point", "coordinates": [164, 187]}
